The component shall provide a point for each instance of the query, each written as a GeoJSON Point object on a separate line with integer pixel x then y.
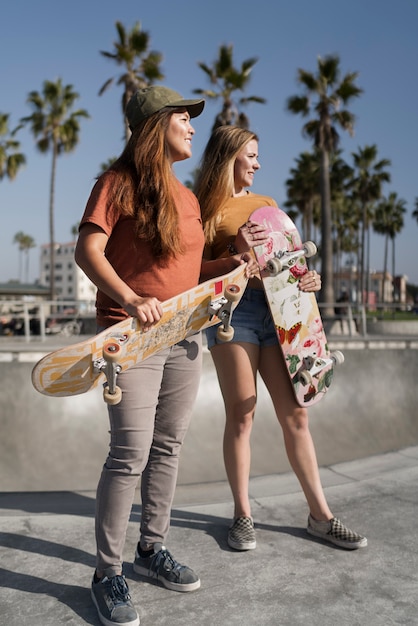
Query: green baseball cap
{"type": "Point", "coordinates": [149, 100]}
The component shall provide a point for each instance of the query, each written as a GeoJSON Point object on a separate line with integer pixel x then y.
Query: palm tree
{"type": "Point", "coordinates": [325, 94]}
{"type": "Point", "coordinates": [56, 128]}
{"type": "Point", "coordinates": [303, 191]}
{"type": "Point", "coordinates": [74, 230]}
{"type": "Point", "coordinates": [11, 160]}
{"type": "Point", "coordinates": [25, 243]}
{"type": "Point", "coordinates": [226, 79]}
{"type": "Point", "coordinates": [415, 211]}
{"type": "Point", "coordinates": [18, 238]}
{"type": "Point", "coordinates": [389, 222]}
{"type": "Point", "coordinates": [369, 176]}
{"type": "Point", "coordinates": [340, 178]}
{"type": "Point", "coordinates": [141, 68]}
{"type": "Point", "coordinates": [106, 164]}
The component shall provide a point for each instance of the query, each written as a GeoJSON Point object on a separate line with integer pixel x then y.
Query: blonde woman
{"type": "Point", "coordinates": [227, 170]}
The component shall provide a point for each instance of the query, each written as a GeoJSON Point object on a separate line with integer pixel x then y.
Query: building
{"type": "Point", "coordinates": [379, 288]}
{"type": "Point", "coordinates": [70, 281]}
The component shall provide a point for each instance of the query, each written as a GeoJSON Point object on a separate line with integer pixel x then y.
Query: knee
{"type": "Point", "coordinates": [240, 421]}
{"type": "Point", "coordinates": [297, 421]}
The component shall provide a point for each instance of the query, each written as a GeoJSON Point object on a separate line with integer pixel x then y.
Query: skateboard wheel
{"type": "Point", "coordinates": [225, 334]}
{"type": "Point", "coordinates": [274, 267]}
{"type": "Point", "coordinates": [310, 249]}
{"type": "Point", "coordinates": [337, 357]}
{"type": "Point", "coordinates": [111, 350]}
{"type": "Point", "coordinates": [232, 293]}
{"type": "Point", "coordinates": [305, 378]}
{"type": "Point", "coordinates": [112, 398]}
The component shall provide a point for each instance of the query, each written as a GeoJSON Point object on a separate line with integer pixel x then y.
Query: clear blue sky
{"type": "Point", "coordinates": [49, 40]}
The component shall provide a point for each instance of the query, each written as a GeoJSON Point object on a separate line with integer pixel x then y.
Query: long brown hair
{"type": "Point", "coordinates": [215, 179]}
{"type": "Point", "coordinates": [145, 185]}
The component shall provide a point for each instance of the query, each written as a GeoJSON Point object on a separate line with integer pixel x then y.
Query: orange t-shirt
{"type": "Point", "coordinates": [132, 257]}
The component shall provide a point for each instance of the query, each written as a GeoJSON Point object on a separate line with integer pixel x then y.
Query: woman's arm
{"type": "Point", "coordinates": [90, 256]}
{"type": "Point", "coordinates": [224, 265]}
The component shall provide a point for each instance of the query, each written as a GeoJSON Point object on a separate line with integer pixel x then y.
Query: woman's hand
{"type": "Point", "coordinates": [147, 310]}
{"type": "Point", "coordinates": [311, 281]}
{"type": "Point", "coordinates": [249, 235]}
{"type": "Point", "coordinates": [252, 268]}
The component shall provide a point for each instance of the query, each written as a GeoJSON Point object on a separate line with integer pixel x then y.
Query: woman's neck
{"type": "Point", "coordinates": [241, 192]}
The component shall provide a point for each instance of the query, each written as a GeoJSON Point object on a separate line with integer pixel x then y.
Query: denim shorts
{"type": "Point", "coordinates": [251, 320]}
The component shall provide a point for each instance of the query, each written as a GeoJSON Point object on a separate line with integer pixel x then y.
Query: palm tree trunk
{"type": "Point", "coordinates": [393, 273]}
{"type": "Point", "coordinates": [52, 224]}
{"type": "Point", "coordinates": [20, 265]}
{"type": "Point", "coordinates": [362, 254]}
{"type": "Point", "coordinates": [385, 266]}
{"type": "Point", "coordinates": [368, 282]}
{"type": "Point", "coordinates": [27, 266]}
{"type": "Point", "coordinates": [327, 291]}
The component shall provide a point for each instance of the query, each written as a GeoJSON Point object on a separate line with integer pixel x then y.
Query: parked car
{"type": "Point", "coordinates": [60, 324]}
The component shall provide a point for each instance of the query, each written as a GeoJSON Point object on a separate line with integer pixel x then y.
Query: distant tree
{"type": "Point", "coordinates": [11, 160]}
{"type": "Point", "coordinates": [325, 95]}
{"type": "Point", "coordinates": [190, 182]}
{"type": "Point", "coordinates": [74, 230]}
{"type": "Point", "coordinates": [56, 128]}
{"type": "Point", "coordinates": [389, 222]}
{"type": "Point", "coordinates": [415, 211]}
{"type": "Point", "coordinates": [341, 175]}
{"type": "Point", "coordinates": [227, 80]}
{"type": "Point", "coordinates": [303, 192]}
{"type": "Point", "coordinates": [25, 243]}
{"type": "Point", "coordinates": [106, 164]}
{"type": "Point", "coordinates": [141, 67]}
{"type": "Point", "coordinates": [370, 174]}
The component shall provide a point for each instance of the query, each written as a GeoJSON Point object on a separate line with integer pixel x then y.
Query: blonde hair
{"type": "Point", "coordinates": [145, 183]}
{"type": "Point", "coordinates": [215, 179]}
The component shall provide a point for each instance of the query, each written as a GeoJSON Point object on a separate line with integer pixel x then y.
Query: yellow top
{"type": "Point", "coordinates": [235, 213]}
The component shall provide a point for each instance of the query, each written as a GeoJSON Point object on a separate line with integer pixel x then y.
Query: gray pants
{"type": "Point", "coordinates": [147, 429]}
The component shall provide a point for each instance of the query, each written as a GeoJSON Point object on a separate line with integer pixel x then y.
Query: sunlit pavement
{"type": "Point", "coordinates": [291, 579]}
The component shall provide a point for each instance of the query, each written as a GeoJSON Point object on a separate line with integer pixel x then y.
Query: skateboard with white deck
{"type": "Point", "coordinates": [283, 261]}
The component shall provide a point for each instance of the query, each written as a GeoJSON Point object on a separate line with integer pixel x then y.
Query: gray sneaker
{"type": "Point", "coordinates": [241, 535]}
{"type": "Point", "coordinates": [162, 566]}
{"type": "Point", "coordinates": [335, 532]}
{"type": "Point", "coordinates": [113, 602]}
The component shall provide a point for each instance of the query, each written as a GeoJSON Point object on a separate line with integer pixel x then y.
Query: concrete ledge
{"type": "Point", "coordinates": [60, 444]}
{"type": "Point", "coordinates": [388, 328]}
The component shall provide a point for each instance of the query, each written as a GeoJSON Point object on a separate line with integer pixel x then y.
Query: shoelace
{"type": "Point", "coordinates": [119, 591]}
{"type": "Point", "coordinates": [164, 559]}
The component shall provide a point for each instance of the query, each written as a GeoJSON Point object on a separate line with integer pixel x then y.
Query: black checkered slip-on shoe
{"type": "Point", "coordinates": [335, 532]}
{"type": "Point", "coordinates": [241, 535]}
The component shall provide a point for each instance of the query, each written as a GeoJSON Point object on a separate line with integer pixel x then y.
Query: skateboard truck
{"type": "Point", "coordinates": [222, 308]}
{"type": "Point", "coordinates": [313, 366]}
{"type": "Point", "coordinates": [283, 259]}
{"type": "Point", "coordinates": [108, 365]}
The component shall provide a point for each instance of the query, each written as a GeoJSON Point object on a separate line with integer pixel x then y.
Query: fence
{"type": "Point", "coordinates": [35, 321]}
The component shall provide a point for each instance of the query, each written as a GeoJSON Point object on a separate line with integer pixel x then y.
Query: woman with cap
{"type": "Point", "coordinates": [227, 169]}
{"type": "Point", "coordinates": [141, 242]}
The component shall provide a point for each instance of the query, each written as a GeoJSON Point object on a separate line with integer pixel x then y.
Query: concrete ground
{"type": "Point", "coordinates": [291, 579]}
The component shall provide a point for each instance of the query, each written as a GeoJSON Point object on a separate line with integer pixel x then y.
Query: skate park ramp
{"type": "Point", "coordinates": [60, 444]}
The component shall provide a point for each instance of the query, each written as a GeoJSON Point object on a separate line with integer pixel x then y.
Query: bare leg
{"type": "Point", "coordinates": [295, 425]}
{"type": "Point", "coordinates": [236, 366]}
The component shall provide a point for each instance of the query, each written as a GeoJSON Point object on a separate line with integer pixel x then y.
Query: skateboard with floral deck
{"type": "Point", "coordinates": [77, 368]}
{"type": "Point", "coordinates": [283, 261]}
